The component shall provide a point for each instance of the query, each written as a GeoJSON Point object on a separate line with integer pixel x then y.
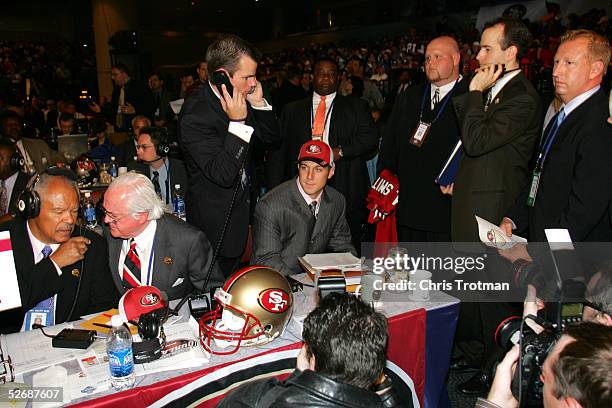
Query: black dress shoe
{"type": "Point", "coordinates": [477, 385]}
{"type": "Point", "coordinates": [461, 364]}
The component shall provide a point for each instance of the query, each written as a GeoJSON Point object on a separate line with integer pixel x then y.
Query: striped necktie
{"type": "Point", "coordinates": [131, 267]}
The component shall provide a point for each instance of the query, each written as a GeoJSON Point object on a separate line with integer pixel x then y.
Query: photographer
{"type": "Point", "coordinates": [575, 374]}
{"type": "Point", "coordinates": [340, 364]}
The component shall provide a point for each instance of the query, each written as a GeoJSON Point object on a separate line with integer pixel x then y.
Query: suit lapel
{"type": "Point", "coordinates": [323, 214]}
{"type": "Point", "coordinates": [335, 121]}
{"type": "Point", "coordinates": [114, 250]}
{"type": "Point", "coordinates": [499, 98]}
{"type": "Point", "coordinates": [162, 260]}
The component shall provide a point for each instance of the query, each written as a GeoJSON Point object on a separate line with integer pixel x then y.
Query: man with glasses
{"type": "Point", "coordinates": [58, 268]}
{"type": "Point", "coordinates": [148, 247]}
{"type": "Point", "coordinates": [163, 171]}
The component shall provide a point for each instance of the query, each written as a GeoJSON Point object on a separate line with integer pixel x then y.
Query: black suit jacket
{"type": "Point", "coordinates": [126, 152]}
{"type": "Point", "coordinates": [350, 127]}
{"type": "Point", "coordinates": [176, 168]}
{"type": "Point", "coordinates": [138, 95]}
{"type": "Point", "coordinates": [18, 187]}
{"type": "Point", "coordinates": [213, 158]}
{"type": "Point", "coordinates": [498, 145]}
{"type": "Point", "coordinates": [40, 281]}
{"type": "Point", "coordinates": [182, 257]}
{"type": "Point", "coordinates": [422, 205]}
{"type": "Point", "coordinates": [575, 185]}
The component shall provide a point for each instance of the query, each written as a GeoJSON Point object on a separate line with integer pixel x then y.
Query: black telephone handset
{"type": "Point", "coordinates": [220, 78]}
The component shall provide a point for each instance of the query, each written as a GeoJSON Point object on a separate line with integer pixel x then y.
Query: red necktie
{"type": "Point", "coordinates": [131, 268]}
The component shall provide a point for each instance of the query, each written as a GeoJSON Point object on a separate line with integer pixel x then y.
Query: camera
{"type": "Point", "coordinates": [527, 387]}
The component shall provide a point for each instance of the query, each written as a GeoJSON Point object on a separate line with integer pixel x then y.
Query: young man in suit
{"type": "Point", "coordinates": [216, 131]}
{"type": "Point", "coordinates": [58, 268]}
{"type": "Point", "coordinates": [576, 170]}
{"type": "Point", "coordinates": [500, 120]}
{"type": "Point", "coordinates": [126, 151]}
{"type": "Point", "coordinates": [424, 214]}
{"type": "Point", "coordinates": [153, 161]}
{"type": "Point", "coordinates": [301, 216]}
{"type": "Point", "coordinates": [342, 122]}
{"type": "Point", "coordinates": [12, 180]}
{"type": "Point", "coordinates": [147, 247]}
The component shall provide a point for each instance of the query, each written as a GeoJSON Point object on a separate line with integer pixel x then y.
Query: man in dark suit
{"type": "Point", "coordinates": [126, 151]}
{"type": "Point", "coordinates": [153, 161]}
{"type": "Point", "coordinates": [576, 170]}
{"type": "Point", "coordinates": [12, 180]}
{"type": "Point", "coordinates": [499, 134]}
{"type": "Point", "coordinates": [216, 128]}
{"type": "Point", "coordinates": [130, 98]}
{"type": "Point", "coordinates": [424, 212]}
{"type": "Point", "coordinates": [500, 120]}
{"type": "Point", "coordinates": [290, 90]}
{"type": "Point", "coordinates": [301, 216]}
{"type": "Point", "coordinates": [346, 125]}
{"type": "Point", "coordinates": [147, 247]}
{"type": "Point", "coordinates": [162, 114]}
{"type": "Point", "coordinates": [54, 262]}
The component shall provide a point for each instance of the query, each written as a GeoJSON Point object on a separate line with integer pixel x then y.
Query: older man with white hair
{"type": "Point", "coordinates": [148, 247]}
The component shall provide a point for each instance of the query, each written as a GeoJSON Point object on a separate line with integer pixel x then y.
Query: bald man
{"type": "Point", "coordinates": [424, 211]}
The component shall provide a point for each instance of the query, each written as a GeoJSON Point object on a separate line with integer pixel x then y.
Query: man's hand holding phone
{"type": "Point", "coordinates": [255, 97]}
{"type": "Point", "coordinates": [486, 76]}
{"type": "Point", "coordinates": [234, 105]}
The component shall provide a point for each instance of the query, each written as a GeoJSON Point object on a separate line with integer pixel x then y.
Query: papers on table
{"type": "Point", "coordinates": [9, 290]}
{"type": "Point", "coordinates": [348, 265]}
{"type": "Point", "coordinates": [493, 236]}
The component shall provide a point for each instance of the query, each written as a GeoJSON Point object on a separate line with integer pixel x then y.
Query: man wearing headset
{"type": "Point", "coordinates": [164, 172]}
{"type": "Point", "coordinates": [58, 268]}
{"type": "Point", "coordinates": [12, 180]}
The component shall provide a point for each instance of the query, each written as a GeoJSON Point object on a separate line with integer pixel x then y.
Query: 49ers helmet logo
{"type": "Point", "coordinates": [274, 300]}
{"type": "Point", "coordinates": [150, 299]}
{"type": "Point", "coordinates": [313, 148]}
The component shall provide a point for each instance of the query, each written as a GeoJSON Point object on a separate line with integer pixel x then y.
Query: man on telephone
{"type": "Point", "coordinates": [217, 123]}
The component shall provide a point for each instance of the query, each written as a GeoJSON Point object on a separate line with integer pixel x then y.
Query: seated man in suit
{"type": "Point", "coordinates": [58, 269]}
{"type": "Point", "coordinates": [147, 247]}
{"type": "Point", "coordinates": [301, 216]}
{"type": "Point", "coordinates": [36, 153]}
{"type": "Point", "coordinates": [153, 161]}
{"type": "Point", "coordinates": [12, 180]}
{"type": "Point", "coordinates": [126, 151]}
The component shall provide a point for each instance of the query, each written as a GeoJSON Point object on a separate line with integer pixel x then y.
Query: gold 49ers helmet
{"type": "Point", "coordinates": [253, 307]}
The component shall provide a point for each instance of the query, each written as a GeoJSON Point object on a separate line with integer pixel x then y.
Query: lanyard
{"type": "Point", "coordinates": [547, 143]}
{"type": "Point", "coordinates": [150, 263]}
{"type": "Point", "coordinates": [446, 99]}
{"type": "Point", "coordinates": [326, 115]}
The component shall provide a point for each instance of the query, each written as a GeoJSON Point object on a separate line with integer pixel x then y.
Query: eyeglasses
{"type": "Point", "coordinates": [144, 146]}
{"type": "Point", "coordinates": [113, 218]}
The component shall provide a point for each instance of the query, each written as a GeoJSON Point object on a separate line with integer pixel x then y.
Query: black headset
{"type": "Point", "coordinates": [151, 329]}
{"type": "Point", "coordinates": [159, 137]}
{"type": "Point", "coordinates": [17, 161]}
{"type": "Point", "coordinates": [28, 203]}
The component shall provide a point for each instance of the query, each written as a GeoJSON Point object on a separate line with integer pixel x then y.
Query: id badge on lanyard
{"type": "Point", "coordinates": [419, 134]}
{"type": "Point", "coordinates": [533, 188]}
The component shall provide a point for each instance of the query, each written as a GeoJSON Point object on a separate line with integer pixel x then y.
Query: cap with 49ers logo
{"type": "Point", "coordinates": [317, 151]}
{"type": "Point", "coordinates": [138, 301]}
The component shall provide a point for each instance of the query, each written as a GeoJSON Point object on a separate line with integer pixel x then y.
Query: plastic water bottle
{"type": "Point", "coordinates": [120, 355]}
{"type": "Point", "coordinates": [179, 203]}
{"type": "Point", "coordinates": [113, 170]}
{"type": "Point", "coordinates": [89, 212]}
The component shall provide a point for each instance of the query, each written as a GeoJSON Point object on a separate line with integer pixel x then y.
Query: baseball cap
{"type": "Point", "coordinates": [140, 300]}
{"type": "Point", "coordinates": [317, 151]}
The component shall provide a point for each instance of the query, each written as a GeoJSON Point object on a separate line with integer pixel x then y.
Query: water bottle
{"type": "Point", "coordinates": [113, 170]}
{"type": "Point", "coordinates": [89, 212]}
{"type": "Point", "coordinates": [179, 203]}
{"type": "Point", "coordinates": [120, 355]}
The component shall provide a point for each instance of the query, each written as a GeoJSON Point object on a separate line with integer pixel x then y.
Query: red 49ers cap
{"type": "Point", "coordinates": [138, 301]}
{"type": "Point", "coordinates": [317, 151]}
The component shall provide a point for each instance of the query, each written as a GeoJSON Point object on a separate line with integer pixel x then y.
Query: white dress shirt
{"type": "Point", "coordinates": [144, 247]}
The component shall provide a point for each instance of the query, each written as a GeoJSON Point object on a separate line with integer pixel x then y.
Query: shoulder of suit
{"type": "Point", "coordinates": [334, 194]}
{"type": "Point", "coordinates": [179, 227]}
{"type": "Point", "coordinates": [298, 104]}
{"type": "Point", "coordinates": [281, 191]}
{"type": "Point", "coordinates": [521, 85]}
